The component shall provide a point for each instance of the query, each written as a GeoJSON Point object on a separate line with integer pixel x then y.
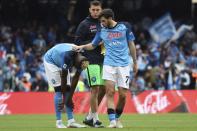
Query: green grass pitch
{"type": "Point", "coordinates": [134, 122]}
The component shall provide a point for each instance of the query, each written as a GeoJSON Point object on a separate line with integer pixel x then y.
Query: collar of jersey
{"type": "Point", "coordinates": [112, 27]}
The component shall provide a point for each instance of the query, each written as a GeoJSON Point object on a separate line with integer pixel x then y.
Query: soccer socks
{"type": "Point", "coordinates": [69, 110]}
{"type": "Point", "coordinates": [57, 100]}
{"type": "Point", "coordinates": [90, 115]}
{"type": "Point", "coordinates": [111, 114]}
{"type": "Point", "coordinates": [95, 117]}
{"type": "Point", "coordinates": [118, 113]}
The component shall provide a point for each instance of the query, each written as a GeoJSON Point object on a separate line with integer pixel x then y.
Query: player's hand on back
{"type": "Point", "coordinates": [78, 48]}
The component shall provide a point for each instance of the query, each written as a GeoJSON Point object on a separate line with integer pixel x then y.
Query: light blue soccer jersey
{"type": "Point", "coordinates": [60, 55]}
{"type": "Point", "coordinates": [116, 43]}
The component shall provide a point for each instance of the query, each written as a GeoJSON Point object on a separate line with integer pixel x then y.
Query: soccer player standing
{"type": "Point", "coordinates": [57, 62]}
{"type": "Point", "coordinates": [84, 34]}
{"type": "Point", "coordinates": [119, 42]}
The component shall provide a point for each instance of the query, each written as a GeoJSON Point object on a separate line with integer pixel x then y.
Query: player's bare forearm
{"type": "Point", "coordinates": [75, 80]}
{"type": "Point", "coordinates": [133, 51]}
{"type": "Point", "coordinates": [133, 54]}
{"type": "Point", "coordinates": [88, 46]}
{"type": "Point", "coordinates": [85, 47]}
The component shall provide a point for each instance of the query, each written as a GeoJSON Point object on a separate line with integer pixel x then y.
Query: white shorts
{"type": "Point", "coordinates": [119, 75]}
{"type": "Point", "coordinates": [53, 74]}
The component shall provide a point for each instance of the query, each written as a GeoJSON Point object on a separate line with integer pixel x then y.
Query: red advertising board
{"type": "Point", "coordinates": [26, 103]}
{"type": "Point", "coordinates": [143, 103]}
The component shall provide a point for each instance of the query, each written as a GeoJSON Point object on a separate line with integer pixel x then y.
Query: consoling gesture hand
{"type": "Point", "coordinates": [78, 48]}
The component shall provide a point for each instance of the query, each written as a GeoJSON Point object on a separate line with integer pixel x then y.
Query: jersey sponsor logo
{"type": "Point", "coordinates": [116, 42]}
{"type": "Point", "coordinates": [112, 35]}
{"type": "Point", "coordinates": [93, 28]}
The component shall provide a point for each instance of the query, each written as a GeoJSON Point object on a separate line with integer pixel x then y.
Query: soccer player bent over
{"type": "Point", "coordinates": [118, 41]}
{"type": "Point", "coordinates": [57, 62]}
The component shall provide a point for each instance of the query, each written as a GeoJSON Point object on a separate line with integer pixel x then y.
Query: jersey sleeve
{"type": "Point", "coordinates": [97, 39]}
{"type": "Point", "coordinates": [80, 33]}
{"type": "Point", "coordinates": [129, 34]}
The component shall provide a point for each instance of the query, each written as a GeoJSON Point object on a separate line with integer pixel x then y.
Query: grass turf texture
{"type": "Point", "coordinates": [159, 122]}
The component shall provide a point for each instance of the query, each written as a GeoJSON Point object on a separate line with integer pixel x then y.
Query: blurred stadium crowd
{"type": "Point", "coordinates": [29, 28]}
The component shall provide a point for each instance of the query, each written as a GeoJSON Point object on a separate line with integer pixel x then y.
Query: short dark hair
{"type": "Point", "coordinates": [95, 3]}
{"type": "Point", "coordinates": [107, 13]}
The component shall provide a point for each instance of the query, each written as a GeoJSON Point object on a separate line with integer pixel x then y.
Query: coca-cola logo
{"type": "Point", "coordinates": [3, 105]}
{"type": "Point", "coordinates": [153, 103]}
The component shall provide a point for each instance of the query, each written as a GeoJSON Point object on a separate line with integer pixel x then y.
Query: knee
{"type": "Point", "coordinates": [95, 91]}
{"type": "Point", "coordinates": [110, 93]}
